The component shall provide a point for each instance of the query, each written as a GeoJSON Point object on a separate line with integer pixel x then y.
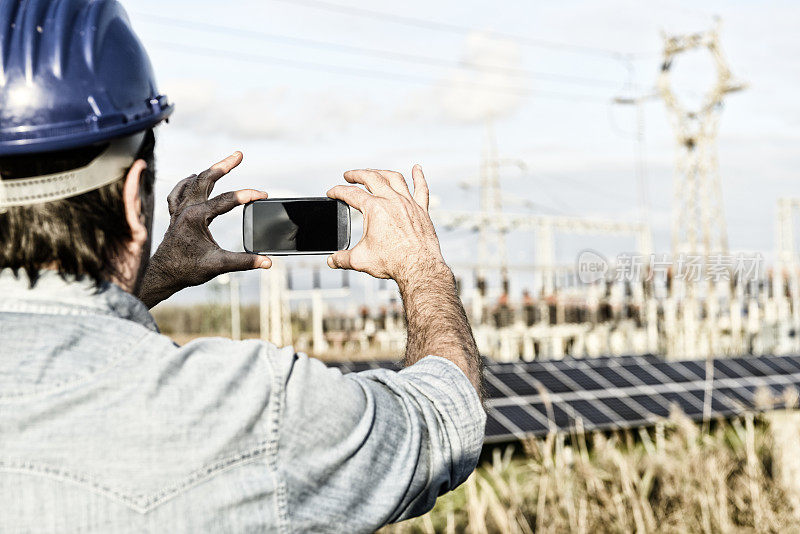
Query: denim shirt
{"type": "Point", "coordinates": [108, 426]}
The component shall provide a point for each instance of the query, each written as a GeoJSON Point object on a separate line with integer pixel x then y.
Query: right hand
{"type": "Point", "coordinates": [399, 240]}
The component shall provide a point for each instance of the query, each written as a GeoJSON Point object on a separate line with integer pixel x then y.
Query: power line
{"type": "Point", "coordinates": [368, 73]}
{"type": "Point", "coordinates": [455, 28]}
{"type": "Point", "coordinates": [372, 52]}
{"type": "Point", "coordinates": [582, 185]}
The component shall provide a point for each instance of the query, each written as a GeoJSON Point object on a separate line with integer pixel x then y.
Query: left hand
{"type": "Point", "coordinates": [188, 254]}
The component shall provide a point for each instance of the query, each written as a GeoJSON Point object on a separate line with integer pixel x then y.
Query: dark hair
{"type": "Point", "coordinates": [78, 236]}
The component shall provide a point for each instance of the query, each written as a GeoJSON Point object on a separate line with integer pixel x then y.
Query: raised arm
{"type": "Point", "coordinates": [400, 242]}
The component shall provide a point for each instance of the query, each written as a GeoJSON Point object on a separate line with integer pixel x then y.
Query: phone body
{"type": "Point", "coordinates": [296, 226]}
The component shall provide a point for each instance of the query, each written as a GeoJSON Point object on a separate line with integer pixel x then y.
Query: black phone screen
{"type": "Point", "coordinates": [295, 226]}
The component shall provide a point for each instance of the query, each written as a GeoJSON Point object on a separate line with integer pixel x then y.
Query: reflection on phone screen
{"type": "Point", "coordinates": [295, 226]}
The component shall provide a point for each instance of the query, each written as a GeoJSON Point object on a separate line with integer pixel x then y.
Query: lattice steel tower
{"type": "Point", "coordinates": [698, 220]}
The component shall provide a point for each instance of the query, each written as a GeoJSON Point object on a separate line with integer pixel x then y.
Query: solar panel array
{"type": "Point", "coordinates": [528, 399]}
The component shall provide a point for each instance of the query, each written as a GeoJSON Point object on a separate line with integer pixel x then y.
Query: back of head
{"type": "Point", "coordinates": [78, 102]}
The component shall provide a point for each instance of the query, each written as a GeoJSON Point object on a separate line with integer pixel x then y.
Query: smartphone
{"type": "Point", "coordinates": [294, 226]}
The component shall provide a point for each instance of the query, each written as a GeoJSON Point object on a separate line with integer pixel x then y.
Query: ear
{"type": "Point", "coordinates": [134, 213]}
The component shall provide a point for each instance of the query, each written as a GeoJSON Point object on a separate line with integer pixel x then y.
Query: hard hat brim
{"type": "Point", "coordinates": [75, 136]}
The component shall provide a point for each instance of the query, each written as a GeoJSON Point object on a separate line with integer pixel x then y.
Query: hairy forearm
{"type": "Point", "coordinates": [436, 321]}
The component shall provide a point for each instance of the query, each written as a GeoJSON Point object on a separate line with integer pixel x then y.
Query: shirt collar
{"type": "Point", "coordinates": [53, 294]}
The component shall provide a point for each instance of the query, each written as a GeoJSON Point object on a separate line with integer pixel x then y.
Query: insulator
{"type": "Point", "coordinates": [480, 283]}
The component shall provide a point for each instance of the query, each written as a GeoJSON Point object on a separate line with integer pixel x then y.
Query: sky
{"type": "Point", "coordinates": [307, 89]}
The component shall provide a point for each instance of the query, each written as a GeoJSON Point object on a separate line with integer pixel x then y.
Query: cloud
{"type": "Point", "coordinates": [472, 95]}
{"type": "Point", "coordinates": [264, 113]}
{"type": "Point", "coordinates": [486, 89]}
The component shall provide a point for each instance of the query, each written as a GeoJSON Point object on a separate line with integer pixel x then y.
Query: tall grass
{"type": "Point", "coordinates": [739, 476]}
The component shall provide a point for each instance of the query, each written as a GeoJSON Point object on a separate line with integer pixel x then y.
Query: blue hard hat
{"type": "Point", "coordinates": [72, 73]}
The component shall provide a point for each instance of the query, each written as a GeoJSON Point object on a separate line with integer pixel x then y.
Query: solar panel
{"type": "Point", "coordinates": [524, 419]}
{"type": "Point", "coordinates": [651, 406]}
{"type": "Point", "coordinates": [721, 405]}
{"type": "Point", "coordinates": [694, 369]}
{"type": "Point", "coordinates": [492, 391]}
{"type": "Point", "coordinates": [740, 397]}
{"type": "Point", "coordinates": [613, 377]}
{"type": "Point", "coordinates": [518, 383]}
{"type": "Point", "coordinates": [788, 363]}
{"type": "Point", "coordinates": [751, 369]}
{"type": "Point", "coordinates": [777, 389]}
{"type": "Point", "coordinates": [592, 412]}
{"type": "Point", "coordinates": [624, 410]}
{"type": "Point", "coordinates": [643, 376]}
{"type": "Point", "coordinates": [582, 379]}
{"type": "Point", "coordinates": [549, 381]}
{"type": "Point", "coordinates": [495, 428]}
{"type": "Point", "coordinates": [683, 402]}
{"type": "Point", "coordinates": [672, 372]}
{"type": "Point", "coordinates": [722, 370]}
{"type": "Point", "coordinates": [528, 399]}
{"type": "Point", "coordinates": [780, 366]}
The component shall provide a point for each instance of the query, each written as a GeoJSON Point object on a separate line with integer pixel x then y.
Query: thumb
{"type": "Point", "coordinates": [421, 193]}
{"type": "Point", "coordinates": [340, 260]}
{"type": "Point", "coordinates": [244, 261]}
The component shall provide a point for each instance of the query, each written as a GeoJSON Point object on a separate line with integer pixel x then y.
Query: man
{"type": "Point", "coordinates": [107, 426]}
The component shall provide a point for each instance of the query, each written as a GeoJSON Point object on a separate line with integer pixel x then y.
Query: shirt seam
{"type": "Point", "coordinates": [198, 476]}
{"type": "Point", "coordinates": [72, 309]}
{"type": "Point", "coordinates": [277, 396]}
{"type": "Point", "coordinates": [73, 382]}
{"type": "Point", "coordinates": [45, 308]}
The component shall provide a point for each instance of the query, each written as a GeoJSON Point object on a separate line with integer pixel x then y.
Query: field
{"type": "Point", "coordinates": [737, 476]}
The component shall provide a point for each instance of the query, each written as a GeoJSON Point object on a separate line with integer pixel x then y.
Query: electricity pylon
{"type": "Point", "coordinates": [698, 221]}
{"type": "Point", "coordinates": [491, 202]}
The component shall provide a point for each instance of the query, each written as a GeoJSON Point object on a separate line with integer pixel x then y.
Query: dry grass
{"type": "Point", "coordinates": [740, 476]}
